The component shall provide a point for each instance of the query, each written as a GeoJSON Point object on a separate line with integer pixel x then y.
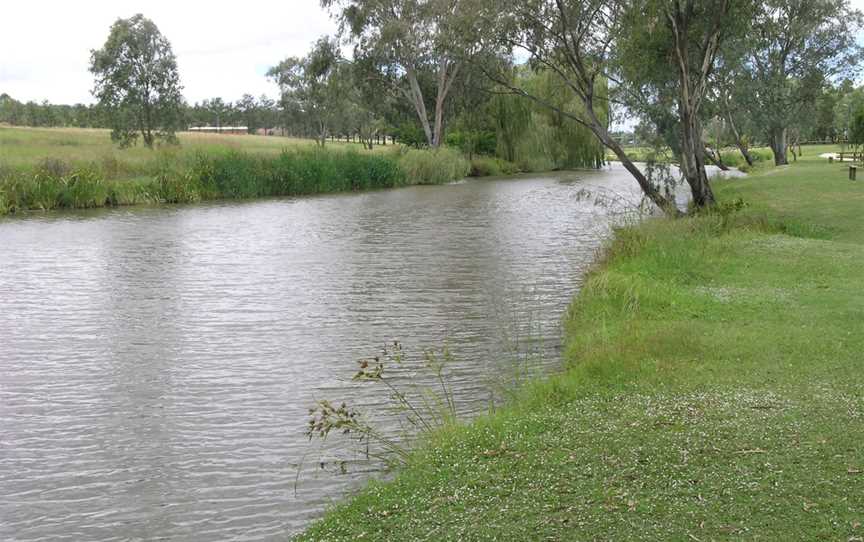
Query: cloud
{"type": "Point", "coordinates": [220, 52]}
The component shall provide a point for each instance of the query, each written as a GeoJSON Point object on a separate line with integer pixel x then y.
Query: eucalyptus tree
{"type": "Point", "coordinates": [856, 130]}
{"type": "Point", "coordinates": [268, 113]}
{"type": "Point", "coordinates": [404, 39]}
{"type": "Point", "coordinates": [368, 104]}
{"type": "Point", "coordinates": [794, 48]}
{"type": "Point", "coordinates": [852, 100]}
{"type": "Point", "coordinates": [667, 58]}
{"type": "Point", "coordinates": [218, 111]}
{"type": "Point", "coordinates": [138, 83]}
{"type": "Point", "coordinates": [248, 111]}
{"type": "Point", "coordinates": [312, 86]}
{"type": "Point", "coordinates": [580, 41]}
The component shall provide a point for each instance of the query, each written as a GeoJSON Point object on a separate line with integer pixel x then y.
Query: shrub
{"type": "Point", "coordinates": [434, 166]}
{"type": "Point", "coordinates": [411, 135]}
{"type": "Point", "coordinates": [471, 142]}
{"type": "Point", "coordinates": [488, 166]}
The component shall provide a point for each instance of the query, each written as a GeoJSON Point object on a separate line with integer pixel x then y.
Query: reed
{"type": "Point", "coordinates": [232, 174]}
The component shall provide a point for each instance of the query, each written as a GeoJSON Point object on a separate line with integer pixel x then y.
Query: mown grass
{"type": "Point", "coordinates": [762, 156]}
{"type": "Point", "coordinates": [44, 169]}
{"type": "Point", "coordinates": [712, 391]}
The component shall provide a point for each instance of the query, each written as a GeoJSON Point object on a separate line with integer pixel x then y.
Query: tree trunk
{"type": "Point", "coordinates": [147, 132]}
{"type": "Point", "coordinates": [416, 96]}
{"type": "Point", "coordinates": [693, 158]}
{"type": "Point", "coordinates": [739, 141]}
{"type": "Point", "coordinates": [648, 189]}
{"type": "Point", "coordinates": [716, 160]}
{"type": "Point", "coordinates": [778, 146]}
{"type": "Point", "coordinates": [446, 76]}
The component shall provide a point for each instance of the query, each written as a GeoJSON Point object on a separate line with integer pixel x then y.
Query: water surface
{"type": "Point", "coordinates": [156, 364]}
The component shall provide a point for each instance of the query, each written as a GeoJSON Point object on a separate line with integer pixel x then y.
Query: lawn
{"type": "Point", "coordinates": [712, 391]}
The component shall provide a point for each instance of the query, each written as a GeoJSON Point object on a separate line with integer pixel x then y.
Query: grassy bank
{"type": "Point", "coordinates": [762, 157]}
{"type": "Point", "coordinates": [712, 391]}
{"type": "Point", "coordinates": [39, 172]}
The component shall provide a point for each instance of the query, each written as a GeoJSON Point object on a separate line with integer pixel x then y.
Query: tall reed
{"type": "Point", "coordinates": [175, 178]}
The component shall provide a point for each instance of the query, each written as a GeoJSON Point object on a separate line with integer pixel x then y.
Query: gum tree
{"type": "Point", "coordinates": [407, 39]}
{"type": "Point", "coordinates": [313, 86]}
{"type": "Point", "coordinates": [794, 47]}
{"type": "Point", "coordinates": [137, 83]}
{"type": "Point", "coordinates": [666, 60]}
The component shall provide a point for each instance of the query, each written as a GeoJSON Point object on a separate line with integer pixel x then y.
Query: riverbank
{"type": "Point", "coordinates": [712, 391]}
{"type": "Point", "coordinates": [46, 169]}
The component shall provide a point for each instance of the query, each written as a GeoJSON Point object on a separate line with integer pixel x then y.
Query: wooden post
{"type": "Point", "coordinates": [852, 171]}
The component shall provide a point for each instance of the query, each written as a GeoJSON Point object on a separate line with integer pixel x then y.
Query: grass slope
{"type": "Point", "coordinates": [713, 391]}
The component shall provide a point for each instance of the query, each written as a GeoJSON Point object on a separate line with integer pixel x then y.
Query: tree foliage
{"type": "Point", "coordinates": [407, 40]}
{"type": "Point", "coordinates": [314, 85]}
{"type": "Point", "coordinates": [137, 83]}
{"type": "Point", "coordinates": [791, 50]}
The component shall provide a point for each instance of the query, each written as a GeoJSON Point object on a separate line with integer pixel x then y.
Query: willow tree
{"type": "Point", "coordinates": [530, 132]}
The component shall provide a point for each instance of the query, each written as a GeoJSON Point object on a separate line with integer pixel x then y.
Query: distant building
{"type": "Point", "coordinates": [233, 130]}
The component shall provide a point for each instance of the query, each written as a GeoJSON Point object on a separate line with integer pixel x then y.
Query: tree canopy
{"type": "Point", "coordinates": [138, 83]}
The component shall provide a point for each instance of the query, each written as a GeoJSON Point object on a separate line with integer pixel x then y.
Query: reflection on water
{"type": "Point", "coordinates": [156, 364]}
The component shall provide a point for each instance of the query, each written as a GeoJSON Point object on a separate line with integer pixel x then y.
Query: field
{"type": "Point", "coordinates": [712, 391]}
{"type": "Point", "coordinates": [47, 169]}
{"type": "Point", "coordinates": [26, 147]}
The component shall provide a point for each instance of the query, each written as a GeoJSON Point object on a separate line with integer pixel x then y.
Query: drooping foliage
{"type": "Point", "coordinates": [538, 137]}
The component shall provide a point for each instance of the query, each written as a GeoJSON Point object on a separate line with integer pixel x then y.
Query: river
{"type": "Point", "coordinates": [157, 363]}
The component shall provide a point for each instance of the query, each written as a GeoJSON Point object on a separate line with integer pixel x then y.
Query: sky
{"type": "Point", "coordinates": [45, 45]}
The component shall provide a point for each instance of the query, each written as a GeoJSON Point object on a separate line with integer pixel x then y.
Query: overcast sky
{"type": "Point", "coordinates": [221, 51]}
{"type": "Point", "coordinates": [45, 46]}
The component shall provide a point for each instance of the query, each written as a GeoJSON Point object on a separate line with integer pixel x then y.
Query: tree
{"type": "Point", "coordinates": [312, 85]}
{"type": "Point", "coordinates": [856, 130]}
{"type": "Point", "coordinates": [851, 101]}
{"type": "Point", "coordinates": [407, 39]}
{"type": "Point", "coordinates": [794, 47]}
{"type": "Point", "coordinates": [218, 111]}
{"type": "Point", "coordinates": [575, 41]}
{"type": "Point", "coordinates": [248, 109]}
{"type": "Point", "coordinates": [666, 58]}
{"type": "Point", "coordinates": [137, 83]}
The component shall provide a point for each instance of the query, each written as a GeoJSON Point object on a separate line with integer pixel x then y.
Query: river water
{"type": "Point", "coordinates": [157, 364]}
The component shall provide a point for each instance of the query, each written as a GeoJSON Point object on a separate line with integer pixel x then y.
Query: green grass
{"type": "Point", "coordinates": [45, 169]}
{"type": "Point", "coordinates": [712, 391]}
{"type": "Point", "coordinates": [26, 147]}
{"type": "Point", "coordinates": [762, 156]}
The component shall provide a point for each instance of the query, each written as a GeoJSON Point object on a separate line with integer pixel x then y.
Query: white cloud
{"type": "Point", "coordinates": [221, 51]}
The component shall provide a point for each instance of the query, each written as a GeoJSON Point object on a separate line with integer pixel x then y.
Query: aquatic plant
{"type": "Point", "coordinates": [421, 399]}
